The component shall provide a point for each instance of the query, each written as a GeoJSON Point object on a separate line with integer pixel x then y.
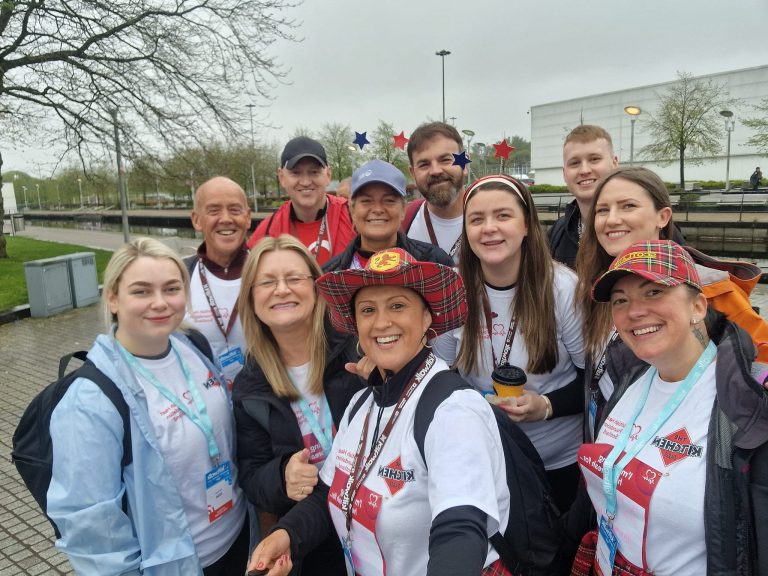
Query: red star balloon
{"type": "Point", "coordinates": [503, 149]}
{"type": "Point", "coordinates": [400, 141]}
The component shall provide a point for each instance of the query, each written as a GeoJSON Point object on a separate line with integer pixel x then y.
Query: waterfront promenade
{"type": "Point", "coordinates": [29, 353]}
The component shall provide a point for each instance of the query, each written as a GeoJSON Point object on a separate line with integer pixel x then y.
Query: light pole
{"type": "Point", "coordinates": [253, 153]}
{"type": "Point", "coordinates": [443, 54]}
{"type": "Point", "coordinates": [39, 205]}
{"type": "Point", "coordinates": [469, 134]}
{"type": "Point", "coordinates": [634, 112]}
{"type": "Point", "coordinates": [482, 151]}
{"type": "Point", "coordinates": [80, 187]}
{"type": "Point", "coordinates": [24, 188]}
{"type": "Point", "coordinates": [122, 189]}
{"type": "Point", "coordinates": [730, 124]}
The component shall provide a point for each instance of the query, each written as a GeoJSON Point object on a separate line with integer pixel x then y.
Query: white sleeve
{"type": "Point", "coordinates": [465, 458]}
{"type": "Point", "coordinates": [446, 346]}
{"type": "Point", "coordinates": [568, 316]}
{"type": "Point", "coordinates": [329, 466]}
{"type": "Point", "coordinates": [86, 491]}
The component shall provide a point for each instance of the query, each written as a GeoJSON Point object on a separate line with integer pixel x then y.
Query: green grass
{"type": "Point", "coordinates": [13, 286]}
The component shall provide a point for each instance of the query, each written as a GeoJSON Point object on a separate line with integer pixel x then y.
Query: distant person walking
{"type": "Point", "coordinates": [754, 180]}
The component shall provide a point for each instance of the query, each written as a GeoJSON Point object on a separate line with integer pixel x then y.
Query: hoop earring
{"type": "Point", "coordinates": [427, 339]}
{"type": "Point", "coordinates": [358, 349]}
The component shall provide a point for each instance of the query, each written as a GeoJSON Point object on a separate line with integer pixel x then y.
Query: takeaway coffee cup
{"type": "Point", "coordinates": [508, 381]}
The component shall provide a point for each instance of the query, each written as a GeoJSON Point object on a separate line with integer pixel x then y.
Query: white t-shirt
{"type": "Point", "coordinates": [398, 501]}
{"type": "Point", "coordinates": [230, 351]}
{"type": "Point", "coordinates": [660, 498]}
{"type": "Point", "coordinates": [558, 439]}
{"type": "Point", "coordinates": [299, 376]}
{"type": "Point", "coordinates": [185, 449]}
{"type": "Point", "coordinates": [447, 231]}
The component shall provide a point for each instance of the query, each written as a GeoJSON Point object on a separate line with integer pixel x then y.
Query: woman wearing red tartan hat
{"type": "Point", "coordinates": [394, 510]}
{"type": "Point", "coordinates": [678, 473]}
{"type": "Point", "coordinates": [521, 312]}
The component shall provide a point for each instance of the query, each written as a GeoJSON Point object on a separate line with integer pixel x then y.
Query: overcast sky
{"type": "Point", "coordinates": [361, 61]}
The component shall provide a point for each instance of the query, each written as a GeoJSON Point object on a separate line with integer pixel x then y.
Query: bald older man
{"type": "Point", "coordinates": [222, 214]}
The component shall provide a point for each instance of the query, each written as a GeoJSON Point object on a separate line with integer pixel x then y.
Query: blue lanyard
{"type": "Point", "coordinates": [323, 435]}
{"type": "Point", "coordinates": [611, 469]}
{"type": "Point", "coordinates": [201, 419]}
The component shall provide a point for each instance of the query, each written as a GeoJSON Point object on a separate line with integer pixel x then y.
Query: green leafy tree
{"type": "Point", "coordinates": [382, 147]}
{"type": "Point", "coordinates": [760, 125]}
{"type": "Point", "coordinates": [337, 139]}
{"type": "Point", "coordinates": [178, 71]}
{"type": "Point", "coordinates": [686, 126]}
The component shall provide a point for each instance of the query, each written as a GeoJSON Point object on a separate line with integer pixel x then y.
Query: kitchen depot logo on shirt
{"type": "Point", "coordinates": [394, 475]}
{"type": "Point", "coordinates": [677, 446]}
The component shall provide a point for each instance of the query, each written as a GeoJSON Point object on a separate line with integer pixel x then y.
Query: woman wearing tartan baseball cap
{"type": "Point", "coordinates": [448, 494]}
{"type": "Point", "coordinates": [679, 441]}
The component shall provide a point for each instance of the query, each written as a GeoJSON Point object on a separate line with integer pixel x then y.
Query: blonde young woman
{"type": "Point", "coordinates": [292, 392]}
{"type": "Point", "coordinates": [521, 312]}
{"type": "Point", "coordinates": [176, 510]}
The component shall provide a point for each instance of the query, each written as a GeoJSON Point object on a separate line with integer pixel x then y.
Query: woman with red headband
{"type": "Point", "coordinates": [521, 312]}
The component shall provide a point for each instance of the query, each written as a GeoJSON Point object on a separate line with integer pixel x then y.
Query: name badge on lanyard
{"type": "Point", "coordinates": [607, 545]}
{"type": "Point", "coordinates": [232, 361]}
{"type": "Point", "coordinates": [218, 491]}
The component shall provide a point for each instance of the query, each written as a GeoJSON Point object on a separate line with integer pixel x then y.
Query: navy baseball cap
{"type": "Point", "coordinates": [302, 147]}
{"type": "Point", "coordinates": [378, 171]}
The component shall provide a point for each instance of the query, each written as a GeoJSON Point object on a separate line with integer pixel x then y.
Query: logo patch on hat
{"type": "Point", "coordinates": [633, 256]}
{"type": "Point", "coordinates": [384, 261]}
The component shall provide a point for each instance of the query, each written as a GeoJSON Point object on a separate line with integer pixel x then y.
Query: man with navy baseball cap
{"type": "Point", "coordinates": [377, 206]}
{"type": "Point", "coordinates": [319, 220]}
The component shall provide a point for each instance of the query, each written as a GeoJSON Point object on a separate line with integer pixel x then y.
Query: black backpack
{"type": "Point", "coordinates": [531, 543]}
{"type": "Point", "coordinates": [32, 452]}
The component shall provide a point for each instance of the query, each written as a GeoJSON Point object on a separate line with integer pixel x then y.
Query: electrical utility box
{"type": "Point", "coordinates": [48, 286]}
{"type": "Point", "coordinates": [82, 278]}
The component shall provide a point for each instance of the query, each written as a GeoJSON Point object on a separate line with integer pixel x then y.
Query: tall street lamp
{"type": "Point", "coordinates": [24, 188]}
{"type": "Point", "coordinates": [634, 112]}
{"type": "Point", "coordinates": [443, 54]}
{"type": "Point", "coordinates": [80, 187]}
{"type": "Point", "coordinates": [253, 153]}
{"type": "Point", "coordinates": [39, 205]}
{"type": "Point", "coordinates": [469, 134]}
{"type": "Point", "coordinates": [482, 151]}
{"type": "Point", "coordinates": [730, 124]}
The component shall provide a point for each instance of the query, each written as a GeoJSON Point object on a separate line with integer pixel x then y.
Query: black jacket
{"type": "Point", "coordinates": [262, 452]}
{"type": "Point", "coordinates": [421, 251]}
{"type": "Point", "coordinates": [563, 236]}
{"type": "Point", "coordinates": [736, 490]}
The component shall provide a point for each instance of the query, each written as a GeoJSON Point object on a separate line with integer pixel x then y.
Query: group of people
{"type": "Point", "coordinates": [295, 430]}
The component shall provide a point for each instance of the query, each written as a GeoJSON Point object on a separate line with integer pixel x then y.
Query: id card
{"type": "Point", "coordinates": [232, 361]}
{"type": "Point", "coordinates": [607, 545]}
{"type": "Point", "coordinates": [349, 564]}
{"type": "Point", "coordinates": [218, 491]}
{"type": "Point", "coordinates": [592, 416]}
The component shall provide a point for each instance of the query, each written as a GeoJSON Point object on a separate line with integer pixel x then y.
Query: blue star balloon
{"type": "Point", "coordinates": [461, 159]}
{"type": "Point", "coordinates": [360, 139]}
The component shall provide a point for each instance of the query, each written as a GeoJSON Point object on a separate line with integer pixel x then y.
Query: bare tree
{"type": "Point", "coordinates": [686, 126]}
{"type": "Point", "coordinates": [179, 71]}
{"type": "Point", "coordinates": [760, 125]}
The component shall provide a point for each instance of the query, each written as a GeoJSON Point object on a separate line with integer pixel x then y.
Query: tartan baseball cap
{"type": "Point", "coordinates": [302, 147]}
{"type": "Point", "coordinates": [660, 261]}
{"type": "Point", "coordinates": [380, 172]}
{"type": "Point", "coordinates": [440, 286]}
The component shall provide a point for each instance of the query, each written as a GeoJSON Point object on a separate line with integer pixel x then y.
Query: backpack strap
{"type": "Point", "coordinates": [359, 404]}
{"type": "Point", "coordinates": [64, 361]}
{"type": "Point", "coordinates": [410, 213]}
{"type": "Point", "coordinates": [200, 342]}
{"type": "Point", "coordinates": [442, 385]}
{"type": "Point", "coordinates": [111, 391]}
{"type": "Point", "coordinates": [190, 262]}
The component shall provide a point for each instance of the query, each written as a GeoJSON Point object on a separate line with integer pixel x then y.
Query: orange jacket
{"type": "Point", "coordinates": [727, 285]}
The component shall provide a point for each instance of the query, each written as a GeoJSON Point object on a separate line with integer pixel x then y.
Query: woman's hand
{"type": "Point", "coordinates": [300, 476]}
{"type": "Point", "coordinates": [363, 368]}
{"type": "Point", "coordinates": [272, 556]}
{"type": "Point", "coordinates": [530, 407]}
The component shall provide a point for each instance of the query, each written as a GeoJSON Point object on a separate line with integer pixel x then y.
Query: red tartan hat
{"type": "Point", "coordinates": [440, 286]}
{"type": "Point", "coordinates": [660, 261]}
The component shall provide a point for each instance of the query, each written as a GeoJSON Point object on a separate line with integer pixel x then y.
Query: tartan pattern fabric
{"type": "Point", "coordinates": [496, 569]}
{"type": "Point", "coordinates": [440, 286]}
{"type": "Point", "coordinates": [660, 261]}
{"type": "Point", "coordinates": [585, 559]}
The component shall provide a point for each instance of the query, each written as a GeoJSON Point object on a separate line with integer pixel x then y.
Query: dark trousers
{"type": "Point", "coordinates": [233, 563]}
{"type": "Point", "coordinates": [564, 483]}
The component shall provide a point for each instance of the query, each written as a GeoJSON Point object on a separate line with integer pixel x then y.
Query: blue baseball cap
{"type": "Point", "coordinates": [380, 172]}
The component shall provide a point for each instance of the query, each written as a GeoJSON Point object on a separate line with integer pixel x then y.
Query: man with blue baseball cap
{"type": "Point", "coordinates": [377, 207]}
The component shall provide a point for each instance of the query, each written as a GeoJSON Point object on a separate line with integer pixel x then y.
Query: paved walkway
{"type": "Point", "coordinates": [29, 353]}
